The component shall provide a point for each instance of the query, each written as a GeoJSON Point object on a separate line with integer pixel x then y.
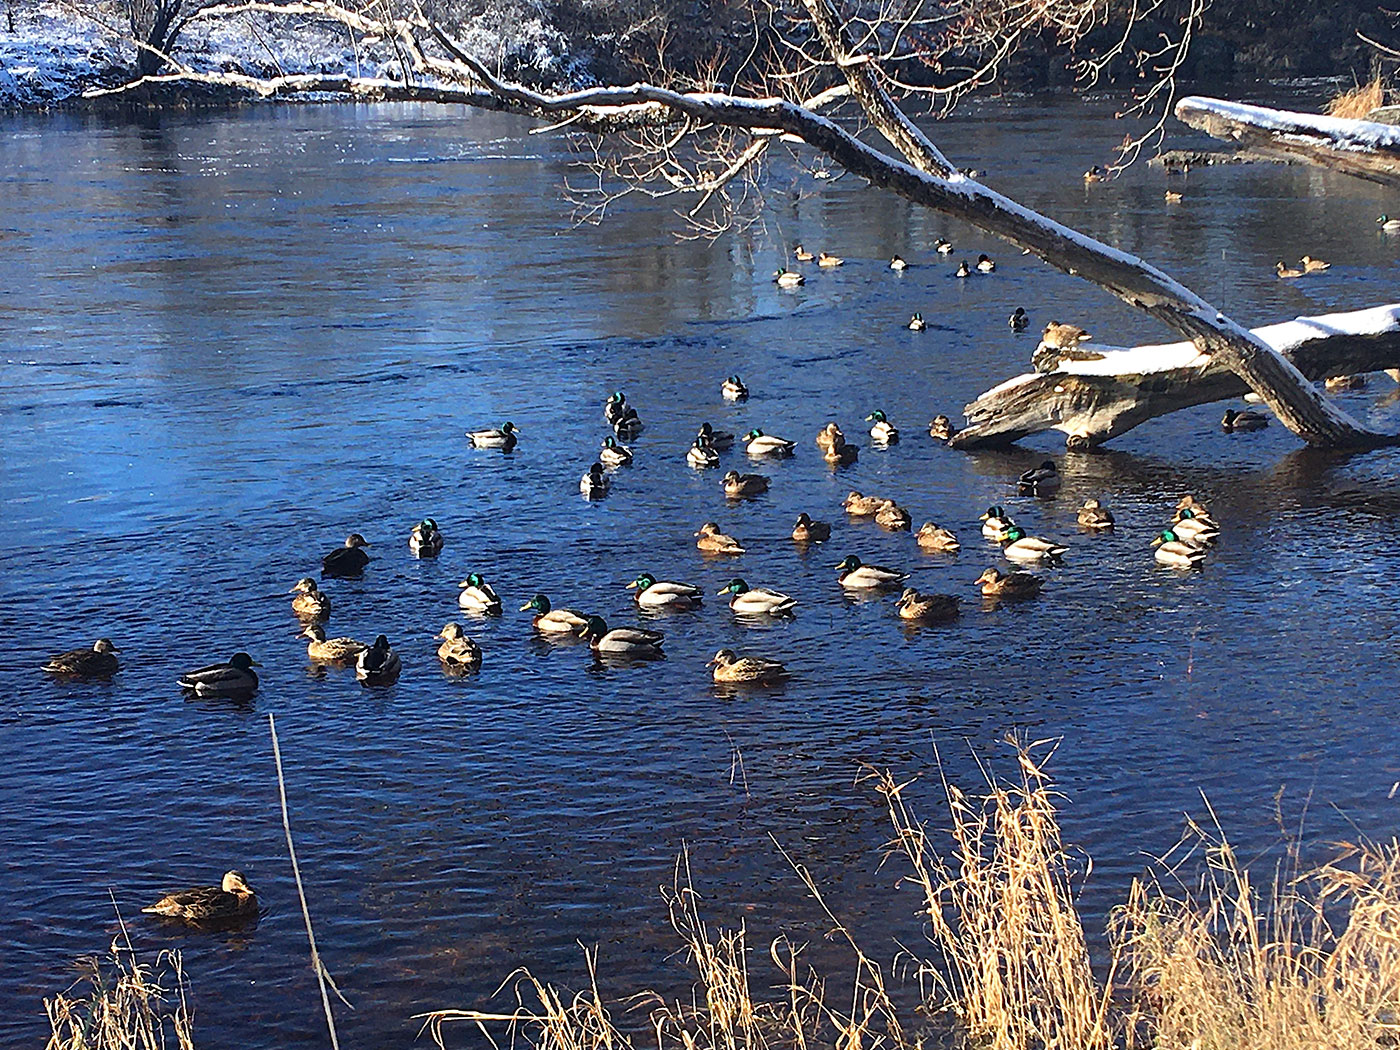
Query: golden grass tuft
{"type": "Point", "coordinates": [122, 1004]}
{"type": "Point", "coordinates": [1356, 102]}
{"type": "Point", "coordinates": [1228, 964]}
{"type": "Point", "coordinates": [1306, 963]}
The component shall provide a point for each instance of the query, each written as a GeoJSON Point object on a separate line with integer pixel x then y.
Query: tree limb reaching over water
{"type": "Point", "coordinates": [695, 139]}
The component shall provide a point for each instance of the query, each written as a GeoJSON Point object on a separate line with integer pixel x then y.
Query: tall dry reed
{"type": "Point", "coordinates": [1355, 103]}
{"type": "Point", "coordinates": [123, 1004]}
{"type": "Point", "coordinates": [1308, 962]}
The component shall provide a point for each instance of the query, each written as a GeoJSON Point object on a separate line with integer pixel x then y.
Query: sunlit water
{"type": "Point", "coordinates": [226, 341]}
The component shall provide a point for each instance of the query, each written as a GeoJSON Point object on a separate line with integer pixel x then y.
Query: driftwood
{"type": "Point", "coordinates": [1363, 148]}
{"type": "Point", "coordinates": [1094, 400]}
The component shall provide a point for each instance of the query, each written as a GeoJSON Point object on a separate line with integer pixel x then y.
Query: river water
{"type": "Point", "coordinates": [228, 340]}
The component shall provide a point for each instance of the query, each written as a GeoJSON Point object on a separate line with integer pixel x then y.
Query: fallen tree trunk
{"type": "Point", "coordinates": [1362, 148]}
{"type": "Point", "coordinates": [1094, 400]}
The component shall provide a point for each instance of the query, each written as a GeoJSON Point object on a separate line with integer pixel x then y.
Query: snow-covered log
{"type": "Point", "coordinates": [1094, 400]}
{"type": "Point", "coordinates": [1357, 147]}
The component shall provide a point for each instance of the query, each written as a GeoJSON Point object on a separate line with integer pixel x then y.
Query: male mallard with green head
{"type": "Point", "coordinates": [234, 678]}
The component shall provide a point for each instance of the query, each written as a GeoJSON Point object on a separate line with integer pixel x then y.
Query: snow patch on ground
{"type": "Point", "coordinates": [55, 53]}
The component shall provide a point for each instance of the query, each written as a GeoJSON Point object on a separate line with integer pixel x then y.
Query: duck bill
{"type": "Point", "coordinates": [1157, 542]}
{"type": "Point", "coordinates": [523, 608]}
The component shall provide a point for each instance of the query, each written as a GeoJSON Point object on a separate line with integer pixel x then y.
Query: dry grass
{"type": "Point", "coordinates": [1355, 103]}
{"type": "Point", "coordinates": [1010, 955]}
{"type": "Point", "coordinates": [123, 1004]}
{"type": "Point", "coordinates": [1230, 965]}
{"type": "Point", "coordinates": [1305, 963]}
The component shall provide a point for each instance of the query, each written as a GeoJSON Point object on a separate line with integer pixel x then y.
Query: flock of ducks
{"type": "Point", "coordinates": [1182, 544]}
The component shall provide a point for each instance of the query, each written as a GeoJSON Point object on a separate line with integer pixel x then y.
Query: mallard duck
{"type": "Point", "coordinates": [1172, 197]}
{"type": "Point", "coordinates": [98, 662]}
{"type": "Point", "coordinates": [917, 323]}
{"type": "Point", "coordinates": [801, 254]}
{"type": "Point", "coordinates": [1350, 382]}
{"type": "Point", "coordinates": [932, 537]}
{"type": "Point", "coordinates": [1009, 585]}
{"type": "Point", "coordinates": [1041, 480]}
{"type": "Point", "coordinates": [897, 264]}
{"type": "Point", "coordinates": [761, 444]}
{"type": "Point", "coordinates": [757, 601]}
{"type": "Point", "coordinates": [503, 437]}
{"type": "Point", "coordinates": [787, 279]}
{"type": "Point", "coordinates": [595, 483]}
{"type": "Point", "coordinates": [310, 603]}
{"type": "Point", "coordinates": [943, 247]}
{"type": "Point", "coordinates": [995, 522]}
{"type": "Point", "coordinates": [1019, 321]}
{"type": "Point", "coordinates": [858, 506]}
{"type": "Point", "coordinates": [1018, 546]}
{"type": "Point", "coordinates": [963, 270]}
{"type": "Point", "coordinates": [893, 517]}
{"type": "Point", "coordinates": [1062, 336]}
{"type": "Point", "coordinates": [808, 531]}
{"type": "Point", "coordinates": [323, 650]}
{"type": "Point", "coordinates": [830, 436]}
{"type": "Point", "coordinates": [1095, 174]}
{"type": "Point", "coordinates": [1190, 502]}
{"type": "Point", "coordinates": [1094, 515]}
{"type": "Point", "coordinates": [1388, 224]}
{"type": "Point", "coordinates": [379, 664]}
{"type": "Point", "coordinates": [717, 439]}
{"type": "Point", "coordinates": [233, 899]}
{"type": "Point", "coordinates": [882, 430]}
{"type": "Point", "coordinates": [613, 454]}
{"type": "Point", "coordinates": [1286, 271]}
{"type": "Point", "coordinates": [457, 651]}
{"type": "Point", "coordinates": [733, 389]}
{"type": "Point", "coordinates": [615, 407]}
{"type": "Point", "coordinates": [425, 541]}
{"type": "Point", "coordinates": [701, 454]}
{"type": "Point", "coordinates": [1311, 265]}
{"type": "Point", "coordinates": [630, 425]}
{"type": "Point", "coordinates": [621, 641]}
{"type": "Point", "coordinates": [737, 485]}
{"type": "Point", "coordinates": [1193, 529]}
{"type": "Point", "coordinates": [841, 455]}
{"type": "Point", "coordinates": [550, 620]}
{"type": "Point", "coordinates": [1177, 553]}
{"type": "Point", "coordinates": [985, 264]}
{"type": "Point", "coordinates": [929, 608]}
{"type": "Point", "coordinates": [235, 678]}
{"type": "Point", "coordinates": [828, 261]}
{"type": "Point", "coordinates": [349, 560]}
{"type": "Point", "coordinates": [730, 667]}
{"type": "Point", "coordinates": [941, 428]}
{"type": "Point", "coordinates": [857, 576]}
{"type": "Point", "coordinates": [478, 596]}
{"type": "Point", "coordinates": [1232, 421]}
{"type": "Point", "coordinates": [710, 540]}
{"type": "Point", "coordinates": [656, 594]}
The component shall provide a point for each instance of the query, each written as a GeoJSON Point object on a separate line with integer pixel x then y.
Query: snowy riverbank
{"type": "Point", "coordinates": [54, 53]}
